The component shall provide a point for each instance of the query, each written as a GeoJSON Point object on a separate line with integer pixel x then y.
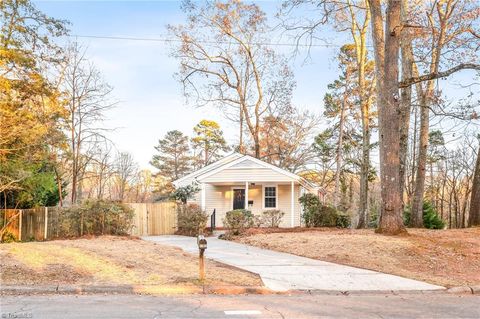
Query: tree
{"type": "Point", "coordinates": [30, 106]}
{"type": "Point", "coordinates": [386, 33]}
{"type": "Point", "coordinates": [125, 171]}
{"type": "Point", "coordinates": [236, 71]}
{"type": "Point", "coordinates": [474, 214]}
{"type": "Point", "coordinates": [447, 39]}
{"type": "Point", "coordinates": [209, 140]}
{"type": "Point", "coordinates": [285, 139]}
{"type": "Point", "coordinates": [88, 98]}
{"type": "Point", "coordinates": [173, 160]}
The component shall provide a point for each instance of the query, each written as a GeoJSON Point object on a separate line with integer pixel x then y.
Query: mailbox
{"type": "Point", "coordinates": [201, 242]}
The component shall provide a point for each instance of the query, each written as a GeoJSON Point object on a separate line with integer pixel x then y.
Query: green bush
{"type": "Point", "coordinates": [310, 204]}
{"type": "Point", "coordinates": [316, 214]}
{"type": "Point", "coordinates": [272, 217]}
{"type": "Point", "coordinates": [431, 220]}
{"type": "Point", "coordinates": [192, 220]}
{"type": "Point", "coordinates": [236, 221]}
{"type": "Point", "coordinates": [343, 220]}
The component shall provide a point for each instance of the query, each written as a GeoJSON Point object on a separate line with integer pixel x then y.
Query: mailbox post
{"type": "Point", "coordinates": [202, 245]}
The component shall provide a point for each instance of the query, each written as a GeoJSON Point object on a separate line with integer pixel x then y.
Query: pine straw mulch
{"type": "Point", "coordinates": [443, 257]}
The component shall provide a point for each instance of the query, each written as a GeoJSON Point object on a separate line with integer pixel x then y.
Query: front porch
{"type": "Point", "coordinates": [254, 196]}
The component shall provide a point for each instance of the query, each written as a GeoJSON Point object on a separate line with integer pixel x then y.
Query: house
{"type": "Point", "coordinates": [240, 181]}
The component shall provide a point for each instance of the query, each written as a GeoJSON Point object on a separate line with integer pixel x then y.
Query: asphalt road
{"type": "Point", "coordinates": [433, 305]}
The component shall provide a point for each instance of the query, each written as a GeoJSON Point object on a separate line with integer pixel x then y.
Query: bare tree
{"type": "Point", "coordinates": [236, 70]}
{"type": "Point", "coordinates": [285, 140]}
{"type": "Point", "coordinates": [88, 98]}
{"type": "Point", "coordinates": [126, 170]}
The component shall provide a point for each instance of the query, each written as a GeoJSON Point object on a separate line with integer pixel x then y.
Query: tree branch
{"type": "Point", "coordinates": [436, 75]}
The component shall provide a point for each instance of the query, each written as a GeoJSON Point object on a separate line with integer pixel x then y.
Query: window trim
{"type": "Point", "coordinates": [263, 196]}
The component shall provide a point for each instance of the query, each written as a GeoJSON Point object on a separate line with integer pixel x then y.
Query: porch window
{"type": "Point", "coordinates": [270, 197]}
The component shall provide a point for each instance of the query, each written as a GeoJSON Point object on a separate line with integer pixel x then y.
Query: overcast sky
{"type": "Point", "coordinates": [141, 72]}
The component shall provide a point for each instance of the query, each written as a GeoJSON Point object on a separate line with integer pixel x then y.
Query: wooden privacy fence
{"type": "Point", "coordinates": [30, 224]}
{"type": "Point", "coordinates": [154, 218]}
{"type": "Point", "coordinates": [46, 222]}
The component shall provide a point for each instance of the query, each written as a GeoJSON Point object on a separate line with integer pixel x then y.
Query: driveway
{"type": "Point", "coordinates": [281, 271]}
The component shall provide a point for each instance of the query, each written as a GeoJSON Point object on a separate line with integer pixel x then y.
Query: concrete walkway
{"type": "Point", "coordinates": [281, 271]}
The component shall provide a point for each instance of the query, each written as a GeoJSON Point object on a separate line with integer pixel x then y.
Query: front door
{"type": "Point", "coordinates": [238, 198]}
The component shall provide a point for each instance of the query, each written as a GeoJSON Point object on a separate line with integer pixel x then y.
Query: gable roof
{"type": "Point", "coordinates": [240, 161]}
{"type": "Point", "coordinates": [220, 162]}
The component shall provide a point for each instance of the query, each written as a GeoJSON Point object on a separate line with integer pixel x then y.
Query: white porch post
{"type": "Point", "coordinates": [246, 195]}
{"type": "Point", "coordinates": [292, 204]}
{"type": "Point", "coordinates": [203, 197]}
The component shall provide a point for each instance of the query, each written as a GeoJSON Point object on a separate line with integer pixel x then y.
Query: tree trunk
{"type": "Point", "coordinates": [406, 99]}
{"type": "Point", "coordinates": [390, 221]}
{"type": "Point", "coordinates": [417, 205]}
{"type": "Point", "coordinates": [474, 213]}
{"type": "Point", "coordinates": [338, 170]}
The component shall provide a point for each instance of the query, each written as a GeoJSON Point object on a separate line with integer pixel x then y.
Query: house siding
{"type": "Point", "coordinates": [220, 199]}
{"type": "Point", "coordinates": [238, 175]}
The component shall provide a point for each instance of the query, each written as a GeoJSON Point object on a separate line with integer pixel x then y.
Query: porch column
{"type": "Point", "coordinates": [202, 205]}
{"type": "Point", "coordinates": [292, 204]}
{"type": "Point", "coordinates": [246, 195]}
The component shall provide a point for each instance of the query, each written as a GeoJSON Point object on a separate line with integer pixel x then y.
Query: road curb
{"type": "Point", "coordinates": [134, 289]}
{"type": "Point", "coordinates": [469, 290]}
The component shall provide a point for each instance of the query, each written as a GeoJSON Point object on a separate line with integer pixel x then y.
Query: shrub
{"type": "Point", "coordinates": [431, 220]}
{"type": "Point", "coordinates": [192, 220]}
{"type": "Point", "coordinates": [8, 237]}
{"type": "Point", "coordinates": [272, 217]}
{"type": "Point", "coordinates": [316, 214]}
{"type": "Point", "coordinates": [94, 217]}
{"type": "Point", "coordinates": [310, 204]}
{"type": "Point", "coordinates": [236, 221]}
{"type": "Point", "coordinates": [258, 221]}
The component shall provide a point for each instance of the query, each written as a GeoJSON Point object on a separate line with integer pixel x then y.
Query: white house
{"type": "Point", "coordinates": [240, 181]}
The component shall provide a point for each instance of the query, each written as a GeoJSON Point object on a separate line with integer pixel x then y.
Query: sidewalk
{"type": "Point", "coordinates": [281, 271]}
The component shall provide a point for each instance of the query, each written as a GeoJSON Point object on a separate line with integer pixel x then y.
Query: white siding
{"type": "Point", "coordinates": [220, 199]}
{"type": "Point", "coordinates": [233, 175]}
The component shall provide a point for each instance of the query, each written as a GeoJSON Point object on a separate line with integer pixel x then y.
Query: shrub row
{"type": "Point", "coordinates": [93, 217]}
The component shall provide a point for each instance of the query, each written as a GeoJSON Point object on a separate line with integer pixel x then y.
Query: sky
{"type": "Point", "coordinates": [142, 73]}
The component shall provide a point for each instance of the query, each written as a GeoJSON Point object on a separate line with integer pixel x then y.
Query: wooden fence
{"type": "Point", "coordinates": [44, 222]}
{"type": "Point", "coordinates": [154, 218]}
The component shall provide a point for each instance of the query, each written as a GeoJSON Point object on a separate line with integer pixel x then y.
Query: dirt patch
{"type": "Point", "coordinates": [442, 257]}
{"type": "Point", "coordinates": [110, 260]}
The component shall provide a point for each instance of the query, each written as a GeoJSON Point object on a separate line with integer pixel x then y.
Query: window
{"type": "Point", "coordinates": [270, 197]}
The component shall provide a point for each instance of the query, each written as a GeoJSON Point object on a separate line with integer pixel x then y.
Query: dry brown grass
{"type": "Point", "coordinates": [443, 257]}
{"type": "Point", "coordinates": [110, 260]}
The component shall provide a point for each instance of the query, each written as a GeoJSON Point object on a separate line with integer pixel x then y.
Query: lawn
{"type": "Point", "coordinates": [442, 257]}
{"type": "Point", "coordinates": [110, 260]}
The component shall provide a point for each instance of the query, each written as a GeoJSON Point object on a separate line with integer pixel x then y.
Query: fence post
{"type": "Point", "coordinates": [20, 215]}
{"type": "Point", "coordinates": [45, 233]}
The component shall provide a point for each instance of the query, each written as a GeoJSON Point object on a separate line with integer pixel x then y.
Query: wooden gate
{"type": "Point", "coordinates": [154, 218]}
